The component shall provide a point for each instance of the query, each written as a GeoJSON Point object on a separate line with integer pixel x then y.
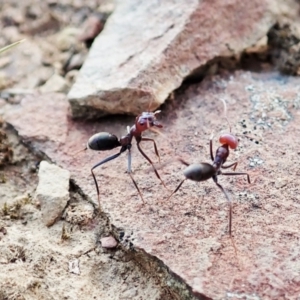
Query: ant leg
{"type": "Point", "coordinates": [211, 148]}
{"type": "Point", "coordinates": [79, 151]}
{"type": "Point", "coordinates": [129, 173]}
{"type": "Point", "coordinates": [183, 161]}
{"type": "Point", "coordinates": [136, 186]}
{"type": "Point", "coordinates": [229, 203]}
{"type": "Point", "coordinates": [180, 184]}
{"type": "Point", "coordinates": [101, 163]}
{"type": "Point", "coordinates": [230, 212]}
{"type": "Point", "coordinates": [150, 161]}
{"type": "Point", "coordinates": [234, 165]}
{"type": "Point", "coordinates": [233, 174]}
{"type": "Point", "coordinates": [155, 147]}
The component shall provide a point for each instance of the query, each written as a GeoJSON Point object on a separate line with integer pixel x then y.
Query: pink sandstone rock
{"type": "Point", "coordinates": [189, 233]}
{"type": "Point", "coordinates": [108, 242]}
{"type": "Point", "coordinates": [146, 50]}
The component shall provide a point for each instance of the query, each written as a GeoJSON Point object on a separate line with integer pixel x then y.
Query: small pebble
{"type": "Point", "coordinates": [55, 83]}
{"type": "Point", "coordinates": [280, 183]}
{"type": "Point", "coordinates": [3, 230]}
{"type": "Point", "coordinates": [52, 191]}
{"type": "Point", "coordinates": [74, 267]}
{"type": "Point", "coordinates": [3, 81]}
{"type": "Point", "coordinates": [67, 38]}
{"type": "Point", "coordinates": [4, 61]}
{"type": "Point", "coordinates": [129, 294]}
{"type": "Point", "coordinates": [108, 242]}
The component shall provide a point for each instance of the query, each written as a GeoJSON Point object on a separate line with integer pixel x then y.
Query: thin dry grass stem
{"type": "Point", "coordinates": [11, 46]}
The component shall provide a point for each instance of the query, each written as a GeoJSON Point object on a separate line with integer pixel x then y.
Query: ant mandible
{"type": "Point", "coordinates": [204, 171]}
{"type": "Point", "coordinates": [103, 141]}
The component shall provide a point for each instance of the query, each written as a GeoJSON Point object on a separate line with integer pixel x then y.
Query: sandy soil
{"type": "Point", "coordinates": [42, 263]}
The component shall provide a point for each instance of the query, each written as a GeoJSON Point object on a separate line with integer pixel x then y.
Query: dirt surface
{"type": "Point", "coordinates": [191, 229]}
{"type": "Point", "coordinates": [167, 250]}
{"type": "Point", "coordinates": [66, 260]}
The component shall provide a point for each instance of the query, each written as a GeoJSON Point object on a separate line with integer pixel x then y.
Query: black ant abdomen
{"type": "Point", "coordinates": [103, 141]}
{"type": "Point", "coordinates": [199, 172]}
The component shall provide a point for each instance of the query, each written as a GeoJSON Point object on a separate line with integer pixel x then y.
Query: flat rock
{"type": "Point", "coordinates": [146, 50]}
{"type": "Point", "coordinates": [52, 191]}
{"type": "Point", "coordinates": [56, 114]}
{"type": "Point", "coordinates": [189, 232]}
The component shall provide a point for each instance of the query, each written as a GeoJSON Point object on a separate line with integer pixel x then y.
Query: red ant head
{"type": "Point", "coordinates": [229, 139]}
{"type": "Point", "coordinates": [146, 120]}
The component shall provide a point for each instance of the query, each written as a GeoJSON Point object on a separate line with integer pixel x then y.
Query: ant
{"type": "Point", "coordinates": [204, 171]}
{"type": "Point", "coordinates": [103, 141]}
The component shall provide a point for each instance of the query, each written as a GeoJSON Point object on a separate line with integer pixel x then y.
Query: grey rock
{"type": "Point", "coordinates": [55, 83]}
{"type": "Point", "coordinates": [146, 50]}
{"type": "Point", "coordinates": [4, 80]}
{"type": "Point", "coordinates": [67, 38]}
{"type": "Point", "coordinates": [52, 191]}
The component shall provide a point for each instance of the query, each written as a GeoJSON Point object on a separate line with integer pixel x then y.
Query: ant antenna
{"type": "Point", "coordinates": [225, 113]}
{"type": "Point", "coordinates": [150, 104]}
{"type": "Point", "coordinates": [151, 128]}
{"type": "Point", "coordinates": [74, 154]}
{"type": "Point", "coordinates": [156, 131]}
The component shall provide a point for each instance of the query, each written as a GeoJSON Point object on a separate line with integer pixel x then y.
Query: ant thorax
{"type": "Point", "coordinates": [221, 156]}
{"type": "Point", "coordinates": [126, 139]}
